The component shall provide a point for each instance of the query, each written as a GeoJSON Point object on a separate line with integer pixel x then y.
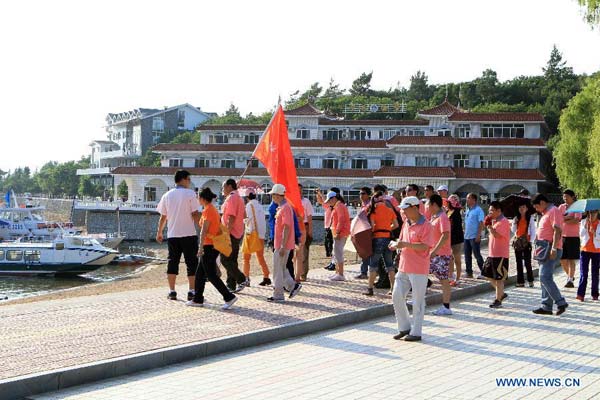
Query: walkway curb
{"type": "Point", "coordinates": [28, 385]}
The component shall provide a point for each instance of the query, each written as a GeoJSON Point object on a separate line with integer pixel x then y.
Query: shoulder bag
{"type": "Point", "coordinates": [252, 242]}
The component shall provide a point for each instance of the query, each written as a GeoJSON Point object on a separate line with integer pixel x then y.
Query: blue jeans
{"type": "Point", "coordinates": [584, 267]}
{"type": "Point", "coordinates": [550, 292]}
{"type": "Point", "coordinates": [364, 265]}
{"type": "Point", "coordinates": [471, 246]}
{"type": "Point", "coordinates": [380, 249]}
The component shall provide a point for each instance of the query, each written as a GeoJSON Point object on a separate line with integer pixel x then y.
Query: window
{"type": "Point", "coordinates": [14, 255]}
{"type": "Point", "coordinates": [158, 128]}
{"type": "Point", "coordinates": [201, 163]}
{"type": "Point", "coordinates": [1, 254]}
{"type": "Point", "coordinates": [387, 134]}
{"type": "Point", "coordinates": [302, 134]}
{"type": "Point", "coordinates": [463, 130]}
{"type": "Point", "coordinates": [359, 163]}
{"type": "Point", "coordinates": [251, 138]}
{"type": "Point", "coordinates": [181, 119]}
{"type": "Point", "coordinates": [149, 193]}
{"type": "Point", "coordinates": [502, 161]}
{"type": "Point", "coordinates": [33, 255]}
{"type": "Point", "coordinates": [416, 132]}
{"type": "Point", "coordinates": [252, 163]}
{"type": "Point", "coordinates": [461, 161]}
{"type": "Point", "coordinates": [503, 131]}
{"type": "Point", "coordinates": [308, 191]}
{"type": "Point", "coordinates": [176, 162]}
{"type": "Point", "coordinates": [358, 134]}
{"type": "Point", "coordinates": [228, 163]}
{"type": "Point", "coordinates": [352, 196]}
{"type": "Point", "coordinates": [331, 163]}
{"type": "Point", "coordinates": [444, 132]}
{"type": "Point", "coordinates": [302, 162]}
{"type": "Point", "coordinates": [331, 134]}
{"type": "Point", "coordinates": [218, 138]}
{"type": "Point", "coordinates": [387, 161]}
{"type": "Point", "coordinates": [424, 161]}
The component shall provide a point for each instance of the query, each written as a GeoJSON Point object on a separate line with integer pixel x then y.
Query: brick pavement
{"type": "Point", "coordinates": [459, 358]}
{"type": "Point", "coordinates": [55, 334]}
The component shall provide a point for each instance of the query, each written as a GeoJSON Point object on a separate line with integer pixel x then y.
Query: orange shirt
{"type": "Point", "coordinates": [381, 221]}
{"type": "Point", "coordinates": [522, 228]}
{"type": "Point", "coordinates": [211, 215]}
{"type": "Point", "coordinates": [589, 246]}
{"type": "Point", "coordinates": [416, 261]}
{"type": "Point", "coordinates": [340, 220]}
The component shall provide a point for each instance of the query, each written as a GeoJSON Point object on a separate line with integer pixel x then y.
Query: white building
{"type": "Point", "coordinates": [488, 153]}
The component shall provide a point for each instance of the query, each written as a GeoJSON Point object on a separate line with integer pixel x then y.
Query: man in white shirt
{"type": "Point", "coordinates": [308, 226]}
{"type": "Point", "coordinates": [178, 209]}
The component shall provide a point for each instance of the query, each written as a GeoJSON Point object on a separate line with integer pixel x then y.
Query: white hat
{"type": "Point", "coordinates": [278, 188]}
{"type": "Point", "coordinates": [409, 201]}
{"type": "Point", "coordinates": [330, 195]}
{"type": "Point", "coordinates": [442, 187]}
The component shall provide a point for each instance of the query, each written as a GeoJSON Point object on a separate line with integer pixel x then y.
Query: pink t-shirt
{"type": "Point", "coordinates": [234, 205]}
{"type": "Point", "coordinates": [178, 204]}
{"type": "Point", "coordinates": [416, 261]}
{"type": "Point", "coordinates": [440, 224]}
{"type": "Point", "coordinates": [340, 220]}
{"type": "Point", "coordinates": [327, 211]}
{"type": "Point", "coordinates": [284, 217]}
{"type": "Point", "coordinates": [550, 218]}
{"type": "Point", "coordinates": [569, 230]}
{"type": "Point", "coordinates": [500, 246]}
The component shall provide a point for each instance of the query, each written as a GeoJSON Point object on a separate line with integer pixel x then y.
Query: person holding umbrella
{"type": "Point", "coordinates": [523, 230]}
{"type": "Point", "coordinates": [570, 232]}
{"type": "Point", "coordinates": [589, 233]}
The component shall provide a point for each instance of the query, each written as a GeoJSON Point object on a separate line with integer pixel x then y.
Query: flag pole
{"type": "Point", "coordinates": [254, 151]}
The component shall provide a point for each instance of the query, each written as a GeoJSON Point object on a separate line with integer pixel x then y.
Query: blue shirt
{"type": "Point", "coordinates": [473, 217]}
{"type": "Point", "coordinates": [272, 211]}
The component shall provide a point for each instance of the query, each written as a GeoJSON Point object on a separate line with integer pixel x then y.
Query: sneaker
{"type": "Point", "coordinates": [275, 300]}
{"type": "Point", "coordinates": [192, 303]}
{"type": "Point", "coordinates": [369, 292]}
{"type": "Point", "coordinates": [442, 311]}
{"type": "Point", "coordinates": [265, 282]}
{"type": "Point", "coordinates": [172, 295]}
{"type": "Point", "coordinates": [361, 276]}
{"type": "Point", "coordinates": [496, 304]}
{"type": "Point", "coordinates": [480, 276]}
{"type": "Point", "coordinates": [530, 284]}
{"type": "Point", "coordinates": [561, 309]}
{"type": "Point", "coordinates": [454, 283]}
{"type": "Point", "coordinates": [229, 304]}
{"type": "Point", "coordinates": [401, 335]}
{"type": "Point", "coordinates": [569, 284]}
{"type": "Point", "coordinates": [191, 294]}
{"type": "Point", "coordinates": [330, 267]}
{"type": "Point", "coordinates": [580, 298]}
{"type": "Point", "coordinates": [246, 283]}
{"type": "Point", "coordinates": [295, 290]}
{"type": "Point", "coordinates": [541, 311]}
{"type": "Point", "coordinates": [239, 288]}
{"type": "Point", "coordinates": [337, 278]}
{"type": "Point", "coordinates": [411, 338]}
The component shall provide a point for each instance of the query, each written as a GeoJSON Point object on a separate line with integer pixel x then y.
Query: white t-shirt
{"type": "Point", "coordinates": [177, 205]}
{"type": "Point", "coordinates": [308, 209]}
{"type": "Point", "coordinates": [261, 223]}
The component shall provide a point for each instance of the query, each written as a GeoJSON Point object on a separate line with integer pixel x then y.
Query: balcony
{"type": "Point", "coordinates": [94, 171]}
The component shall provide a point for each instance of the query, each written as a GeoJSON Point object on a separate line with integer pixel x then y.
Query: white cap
{"type": "Point", "coordinates": [442, 187]}
{"type": "Point", "coordinates": [278, 188]}
{"type": "Point", "coordinates": [330, 195]}
{"type": "Point", "coordinates": [409, 201]}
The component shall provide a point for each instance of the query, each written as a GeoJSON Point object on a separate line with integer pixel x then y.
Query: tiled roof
{"type": "Point", "coordinates": [497, 173]}
{"type": "Point", "coordinates": [441, 109]}
{"type": "Point", "coordinates": [433, 172]}
{"type": "Point", "coordinates": [496, 117]}
{"type": "Point", "coordinates": [371, 144]}
{"type": "Point", "coordinates": [374, 122]}
{"type": "Point", "coordinates": [307, 109]}
{"type": "Point", "coordinates": [204, 147]}
{"type": "Point", "coordinates": [239, 127]}
{"type": "Point", "coordinates": [451, 141]}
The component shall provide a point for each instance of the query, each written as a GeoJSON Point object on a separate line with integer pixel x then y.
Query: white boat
{"type": "Point", "coordinates": [16, 222]}
{"type": "Point", "coordinates": [68, 255]}
{"type": "Point", "coordinates": [111, 240]}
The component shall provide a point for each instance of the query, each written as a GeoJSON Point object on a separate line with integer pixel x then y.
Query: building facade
{"type": "Point", "coordinates": [493, 154]}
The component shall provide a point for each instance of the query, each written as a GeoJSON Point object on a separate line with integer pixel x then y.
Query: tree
{"type": "Point", "coordinates": [486, 86]}
{"type": "Point", "coordinates": [186, 138]}
{"type": "Point", "coordinates": [592, 11]}
{"type": "Point", "coordinates": [576, 158]}
{"type": "Point", "coordinates": [418, 89]}
{"type": "Point", "coordinates": [123, 190]}
{"type": "Point", "coordinates": [333, 91]}
{"type": "Point", "coordinates": [361, 86]}
{"type": "Point", "coordinates": [149, 159]}
{"type": "Point", "coordinates": [88, 188]}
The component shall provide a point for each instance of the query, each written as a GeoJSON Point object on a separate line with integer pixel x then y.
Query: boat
{"type": "Point", "coordinates": [111, 240]}
{"type": "Point", "coordinates": [16, 222]}
{"type": "Point", "coordinates": [66, 255]}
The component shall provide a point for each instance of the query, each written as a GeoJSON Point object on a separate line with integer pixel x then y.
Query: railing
{"type": "Point", "coordinates": [94, 171]}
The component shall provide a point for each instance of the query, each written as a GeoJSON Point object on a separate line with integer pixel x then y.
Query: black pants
{"type": "Point", "coordinates": [290, 264]}
{"type": "Point", "coordinates": [188, 246]}
{"type": "Point", "coordinates": [524, 256]}
{"type": "Point", "coordinates": [207, 268]}
{"type": "Point", "coordinates": [328, 242]}
{"type": "Point", "coordinates": [234, 275]}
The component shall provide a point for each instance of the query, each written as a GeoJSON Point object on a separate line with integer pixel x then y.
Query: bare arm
{"type": "Point", "coordinates": [309, 231]}
{"type": "Point", "coordinates": [230, 221]}
{"type": "Point", "coordinates": [286, 234]}
{"type": "Point", "coordinates": [161, 227]}
{"type": "Point", "coordinates": [443, 239]}
{"type": "Point", "coordinates": [479, 230]}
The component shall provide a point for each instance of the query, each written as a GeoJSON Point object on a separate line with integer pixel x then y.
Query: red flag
{"type": "Point", "coordinates": [275, 152]}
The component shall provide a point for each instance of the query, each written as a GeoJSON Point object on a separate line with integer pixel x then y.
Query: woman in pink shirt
{"type": "Point", "coordinates": [495, 268]}
{"type": "Point", "coordinates": [441, 253]}
{"type": "Point", "coordinates": [570, 234]}
{"type": "Point", "coordinates": [340, 229]}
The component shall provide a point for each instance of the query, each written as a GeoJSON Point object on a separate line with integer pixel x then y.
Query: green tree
{"type": "Point", "coordinates": [576, 158]}
{"type": "Point", "coordinates": [186, 138]}
{"type": "Point", "coordinates": [149, 159]}
{"type": "Point", "coordinates": [419, 88]}
{"type": "Point", "coordinates": [592, 11]}
{"type": "Point", "coordinates": [361, 86]}
{"type": "Point", "coordinates": [123, 190]}
{"type": "Point", "coordinates": [486, 86]}
{"type": "Point", "coordinates": [88, 188]}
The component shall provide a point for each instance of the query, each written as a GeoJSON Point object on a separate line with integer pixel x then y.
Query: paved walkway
{"type": "Point", "coordinates": [460, 358]}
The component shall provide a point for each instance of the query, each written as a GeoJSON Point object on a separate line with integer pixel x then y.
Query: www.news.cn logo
{"type": "Point", "coordinates": [538, 382]}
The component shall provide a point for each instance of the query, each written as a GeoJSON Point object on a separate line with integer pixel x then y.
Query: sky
{"type": "Point", "coordinates": [65, 64]}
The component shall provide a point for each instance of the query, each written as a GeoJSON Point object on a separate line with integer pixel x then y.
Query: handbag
{"type": "Point", "coordinates": [520, 243]}
{"type": "Point", "coordinates": [542, 250]}
{"type": "Point", "coordinates": [495, 268]}
{"type": "Point", "coordinates": [222, 241]}
{"type": "Point", "coordinates": [252, 242]}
